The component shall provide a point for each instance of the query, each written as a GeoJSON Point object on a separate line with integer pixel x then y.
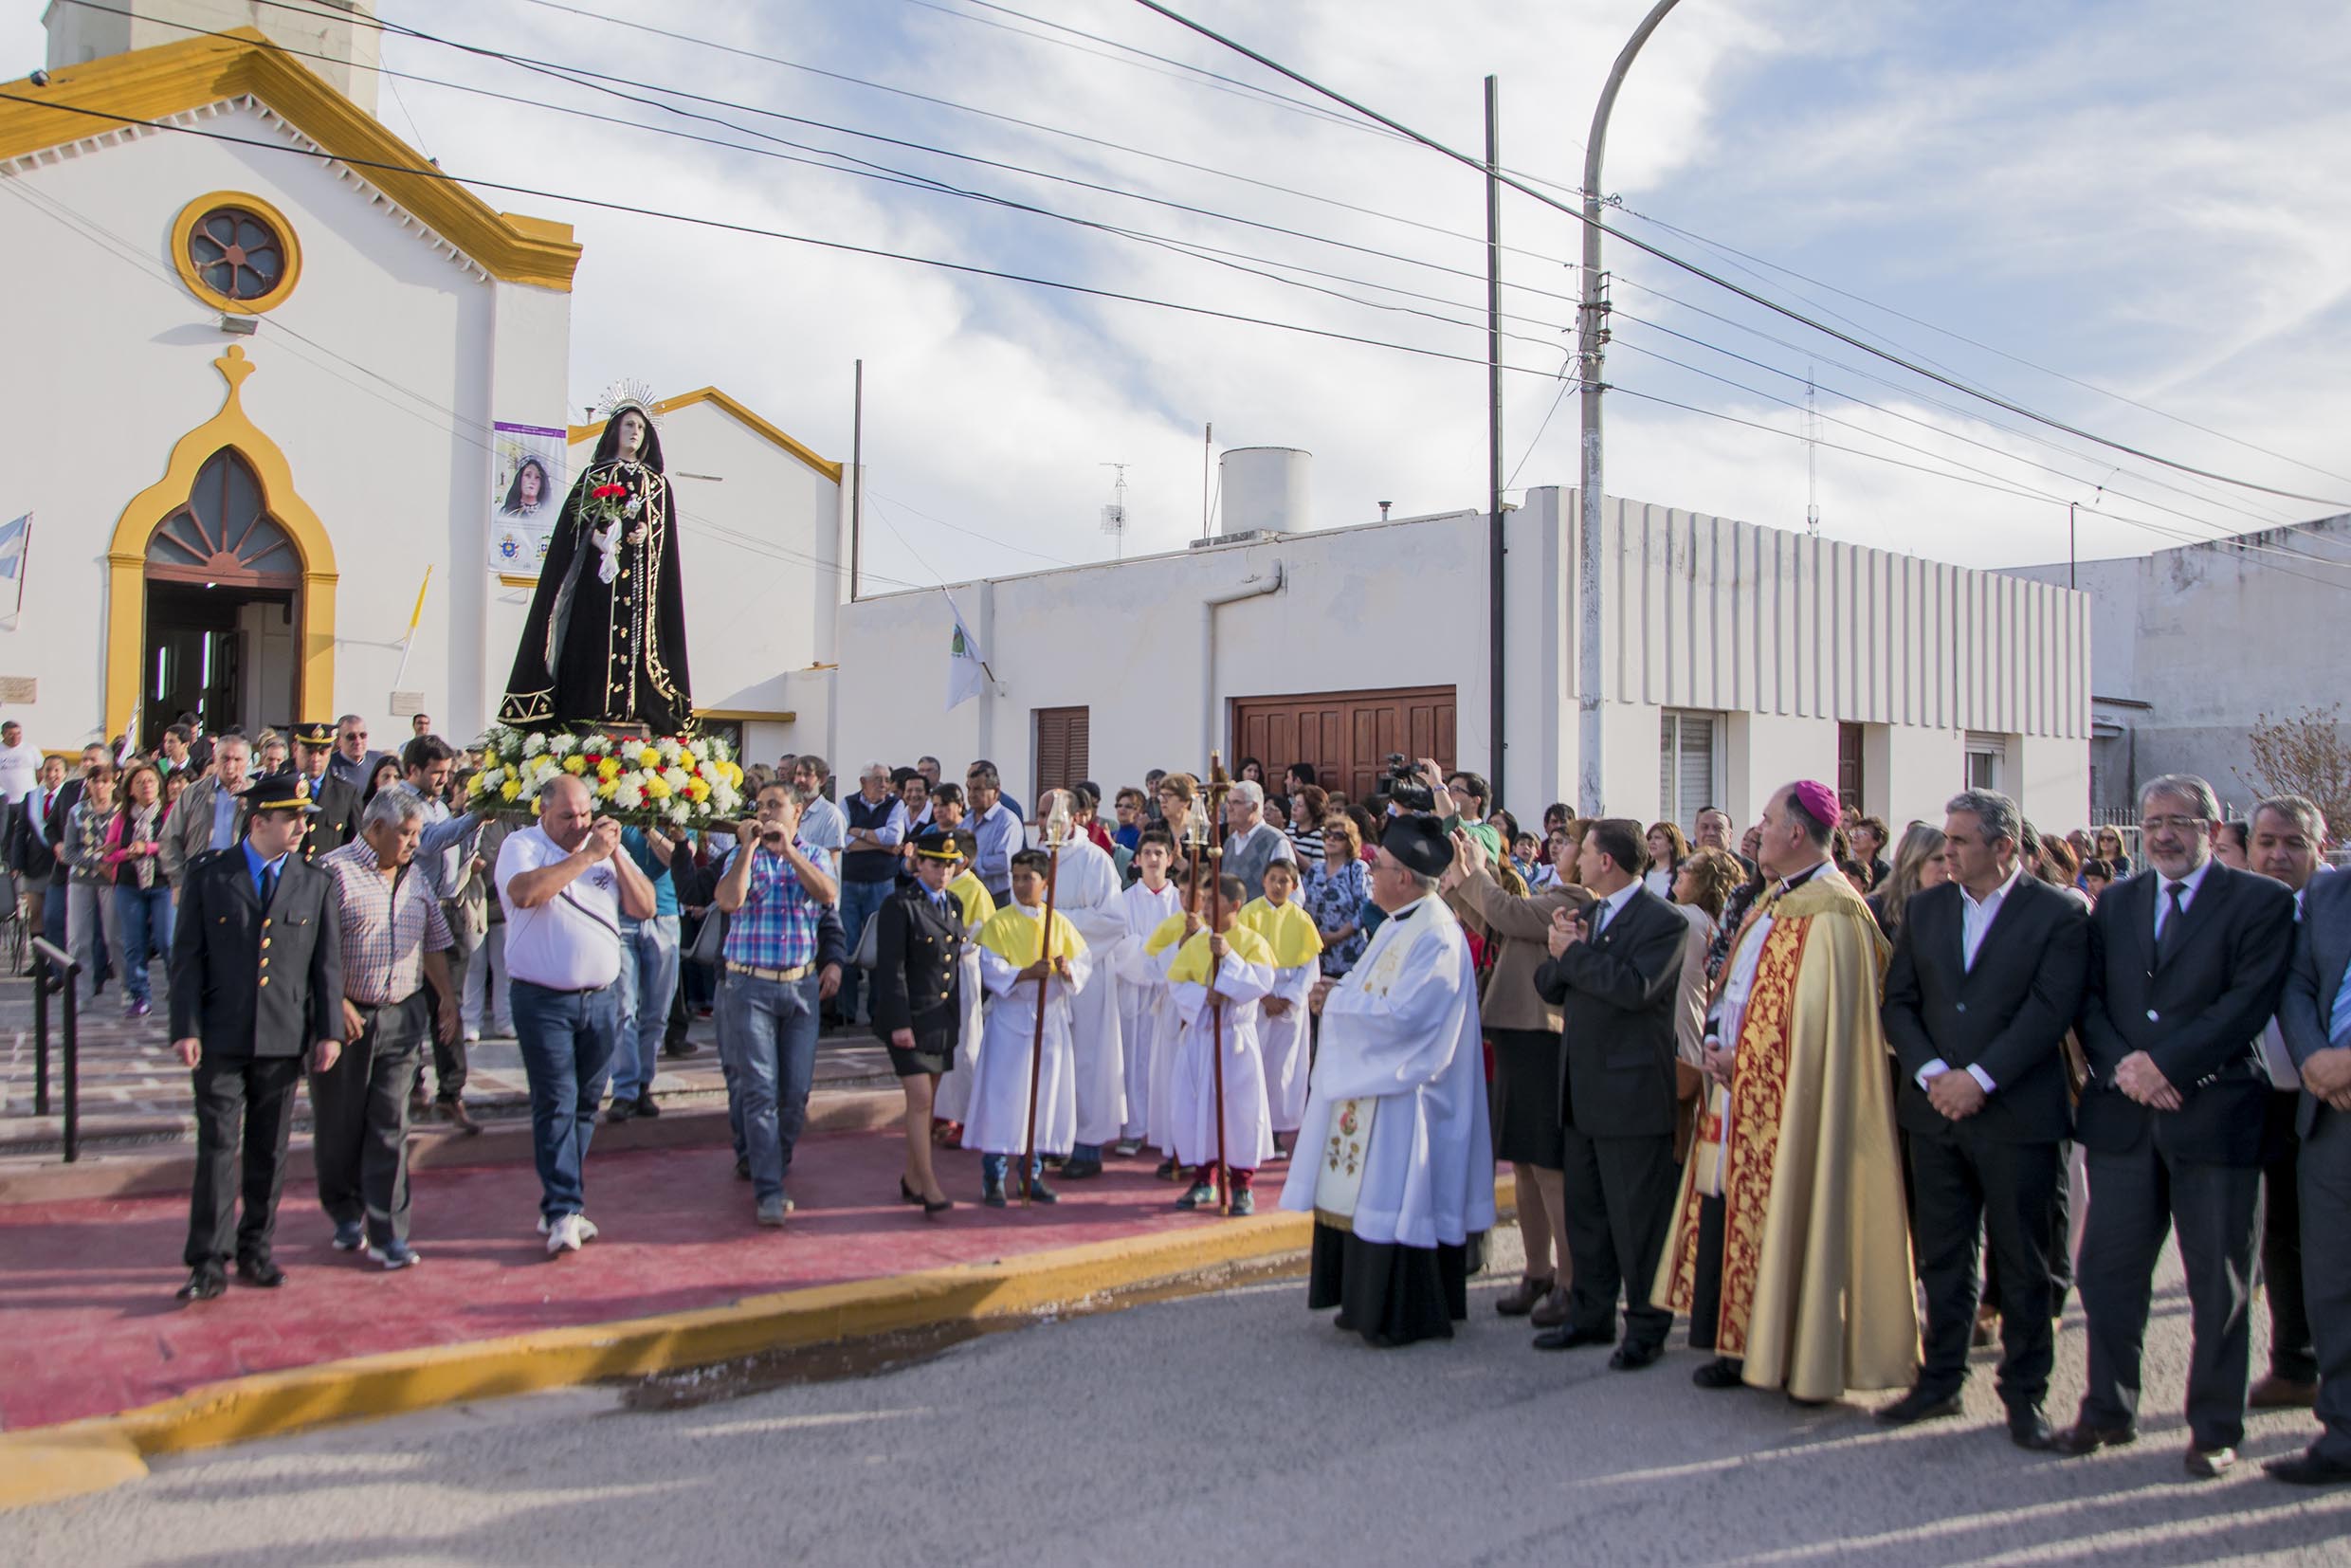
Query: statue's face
{"type": "Point", "coordinates": [632, 433]}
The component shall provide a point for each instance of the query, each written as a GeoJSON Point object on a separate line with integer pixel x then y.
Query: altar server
{"type": "Point", "coordinates": [1282, 1030]}
{"type": "Point", "coordinates": [1024, 967]}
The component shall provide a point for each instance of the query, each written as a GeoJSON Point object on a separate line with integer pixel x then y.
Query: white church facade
{"type": "Point", "coordinates": [277, 380]}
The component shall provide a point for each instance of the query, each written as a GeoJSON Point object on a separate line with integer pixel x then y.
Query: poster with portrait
{"type": "Point", "coordinates": [527, 481]}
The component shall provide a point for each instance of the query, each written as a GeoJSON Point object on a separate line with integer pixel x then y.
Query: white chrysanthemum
{"type": "Point", "coordinates": [561, 745]}
{"type": "Point", "coordinates": [719, 749]}
{"type": "Point", "coordinates": [530, 786]}
{"type": "Point", "coordinates": [628, 795]}
{"type": "Point", "coordinates": [630, 749]}
{"type": "Point", "coordinates": [701, 750]}
{"type": "Point", "coordinates": [534, 744]}
{"type": "Point", "coordinates": [677, 778]}
{"type": "Point", "coordinates": [680, 813]}
{"type": "Point", "coordinates": [600, 744]}
{"type": "Point", "coordinates": [724, 800]}
{"type": "Point", "coordinates": [667, 749]}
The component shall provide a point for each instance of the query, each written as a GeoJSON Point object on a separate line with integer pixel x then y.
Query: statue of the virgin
{"type": "Point", "coordinates": [605, 640]}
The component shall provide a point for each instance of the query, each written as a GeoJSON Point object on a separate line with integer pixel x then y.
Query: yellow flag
{"type": "Point", "coordinates": [418, 613]}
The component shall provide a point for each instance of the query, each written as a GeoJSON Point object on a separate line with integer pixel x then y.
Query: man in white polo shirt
{"type": "Point", "coordinates": [564, 890]}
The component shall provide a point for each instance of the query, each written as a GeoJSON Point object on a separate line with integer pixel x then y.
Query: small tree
{"type": "Point", "coordinates": [2304, 753]}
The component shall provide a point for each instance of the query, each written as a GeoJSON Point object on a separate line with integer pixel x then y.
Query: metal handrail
{"type": "Point", "coordinates": [47, 957]}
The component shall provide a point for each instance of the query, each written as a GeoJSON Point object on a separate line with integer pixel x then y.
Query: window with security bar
{"type": "Point", "coordinates": [1686, 780]}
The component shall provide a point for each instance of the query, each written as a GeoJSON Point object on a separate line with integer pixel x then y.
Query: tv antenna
{"type": "Point", "coordinates": [1114, 515]}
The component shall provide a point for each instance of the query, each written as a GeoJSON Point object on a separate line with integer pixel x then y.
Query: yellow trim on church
{"type": "Point", "coordinates": [171, 79]}
{"type": "Point", "coordinates": [734, 407]}
{"type": "Point", "coordinates": [289, 246]}
{"type": "Point", "coordinates": [126, 557]}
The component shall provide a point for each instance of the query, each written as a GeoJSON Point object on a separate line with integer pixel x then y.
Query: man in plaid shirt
{"type": "Point", "coordinates": [395, 943]}
{"type": "Point", "coordinates": [774, 893]}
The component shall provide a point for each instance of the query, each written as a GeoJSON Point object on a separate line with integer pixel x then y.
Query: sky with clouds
{"type": "Point", "coordinates": [2109, 212]}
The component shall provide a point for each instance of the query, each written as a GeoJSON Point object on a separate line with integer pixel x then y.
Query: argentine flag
{"type": "Point", "coordinates": [14, 538]}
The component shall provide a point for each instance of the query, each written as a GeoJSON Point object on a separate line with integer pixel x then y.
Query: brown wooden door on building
{"type": "Point", "coordinates": [1345, 735]}
{"type": "Point", "coordinates": [1060, 747]}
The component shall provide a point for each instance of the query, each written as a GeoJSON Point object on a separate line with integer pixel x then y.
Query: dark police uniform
{"type": "Point", "coordinates": [257, 982]}
{"type": "Point", "coordinates": [917, 972]}
{"type": "Point", "coordinates": [337, 799]}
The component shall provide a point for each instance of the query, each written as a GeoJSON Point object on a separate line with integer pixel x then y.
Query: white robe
{"type": "Point", "coordinates": [952, 1098]}
{"type": "Point", "coordinates": [1086, 892]}
{"type": "Point", "coordinates": [1249, 1130]}
{"type": "Point", "coordinates": [1407, 1034]}
{"type": "Point", "coordinates": [1146, 1028]}
{"type": "Point", "coordinates": [998, 1121]}
{"type": "Point", "coordinates": [1284, 1044]}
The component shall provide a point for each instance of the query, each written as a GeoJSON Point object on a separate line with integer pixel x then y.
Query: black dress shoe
{"type": "Point", "coordinates": [932, 1211]}
{"type": "Point", "coordinates": [1077, 1170]}
{"type": "Point", "coordinates": [907, 1193]}
{"type": "Point", "coordinates": [2082, 1437]}
{"type": "Point", "coordinates": [1920, 1405]}
{"type": "Point", "coordinates": [1572, 1339]}
{"type": "Point", "coordinates": [1722, 1372]}
{"type": "Point", "coordinates": [2030, 1429]}
{"type": "Point", "coordinates": [1633, 1358]}
{"type": "Point", "coordinates": [260, 1271]}
{"type": "Point", "coordinates": [646, 1109]}
{"type": "Point", "coordinates": [204, 1282]}
{"type": "Point", "coordinates": [2309, 1469]}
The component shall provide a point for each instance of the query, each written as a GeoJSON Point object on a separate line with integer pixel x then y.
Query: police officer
{"type": "Point", "coordinates": [336, 820]}
{"type": "Point", "coordinates": [918, 1007]}
{"type": "Point", "coordinates": [257, 983]}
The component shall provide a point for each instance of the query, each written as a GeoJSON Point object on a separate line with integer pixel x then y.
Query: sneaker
{"type": "Point", "coordinates": [1127, 1148]}
{"type": "Point", "coordinates": [398, 1254]}
{"type": "Point", "coordinates": [771, 1211]}
{"type": "Point", "coordinates": [348, 1236]}
{"type": "Point", "coordinates": [1040, 1193]}
{"type": "Point", "coordinates": [1201, 1195]}
{"type": "Point", "coordinates": [646, 1107]}
{"type": "Point", "coordinates": [473, 1037]}
{"type": "Point", "coordinates": [563, 1234]}
{"type": "Point", "coordinates": [992, 1194]}
{"type": "Point", "coordinates": [1243, 1202]}
{"type": "Point", "coordinates": [587, 1226]}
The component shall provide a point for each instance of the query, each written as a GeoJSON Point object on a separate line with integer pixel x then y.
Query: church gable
{"type": "Point", "coordinates": [85, 109]}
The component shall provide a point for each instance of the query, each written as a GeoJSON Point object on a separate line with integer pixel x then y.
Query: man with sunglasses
{"type": "Point", "coordinates": [353, 762]}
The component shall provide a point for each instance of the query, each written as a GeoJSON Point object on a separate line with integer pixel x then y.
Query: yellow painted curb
{"type": "Point", "coordinates": [43, 1464]}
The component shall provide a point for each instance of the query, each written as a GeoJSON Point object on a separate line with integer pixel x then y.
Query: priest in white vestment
{"type": "Point", "coordinates": [1086, 892]}
{"type": "Point", "coordinates": [1395, 1156]}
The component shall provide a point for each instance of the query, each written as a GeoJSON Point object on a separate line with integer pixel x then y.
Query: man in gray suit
{"type": "Point", "coordinates": [2315, 1017]}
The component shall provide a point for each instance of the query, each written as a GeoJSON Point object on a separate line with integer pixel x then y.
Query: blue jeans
{"type": "Point", "coordinates": [859, 900]}
{"type": "Point", "coordinates": [567, 1039]}
{"type": "Point", "coordinates": [992, 1168]}
{"type": "Point", "coordinates": [142, 920]}
{"type": "Point", "coordinates": [649, 978]}
{"type": "Point", "coordinates": [766, 1036]}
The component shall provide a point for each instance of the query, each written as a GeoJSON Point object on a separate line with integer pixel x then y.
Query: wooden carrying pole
{"type": "Point", "coordinates": [1219, 785]}
{"type": "Point", "coordinates": [1056, 828]}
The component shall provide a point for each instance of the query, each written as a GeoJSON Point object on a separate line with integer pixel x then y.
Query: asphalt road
{"type": "Point", "coordinates": [1234, 1427]}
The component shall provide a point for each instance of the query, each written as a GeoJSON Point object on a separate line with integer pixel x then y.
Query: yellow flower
{"type": "Point", "coordinates": [535, 805]}
{"type": "Point", "coordinates": [697, 792]}
{"type": "Point", "coordinates": [510, 789]}
{"type": "Point", "coordinates": [656, 787]}
{"type": "Point", "coordinates": [608, 769]}
{"type": "Point", "coordinates": [606, 787]}
{"type": "Point", "coordinates": [735, 775]}
{"type": "Point", "coordinates": [575, 763]}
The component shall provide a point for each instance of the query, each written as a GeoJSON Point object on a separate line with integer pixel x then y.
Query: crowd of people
{"type": "Point", "coordinates": [1849, 1103]}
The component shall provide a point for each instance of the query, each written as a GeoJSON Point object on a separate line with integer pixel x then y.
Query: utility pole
{"type": "Point", "coordinates": [1496, 545]}
{"type": "Point", "coordinates": [1591, 339]}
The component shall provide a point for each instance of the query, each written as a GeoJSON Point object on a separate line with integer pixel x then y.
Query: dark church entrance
{"type": "Point", "coordinates": [222, 578]}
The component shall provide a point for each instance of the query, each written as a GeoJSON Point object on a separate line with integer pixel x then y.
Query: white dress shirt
{"type": "Point", "coordinates": [2192, 880]}
{"type": "Point", "coordinates": [1976, 918]}
{"type": "Point", "coordinates": [1611, 906]}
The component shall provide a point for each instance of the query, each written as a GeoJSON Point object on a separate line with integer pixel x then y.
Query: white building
{"type": "Point", "coordinates": [255, 401]}
{"type": "Point", "coordinates": [2189, 646]}
{"type": "Point", "coordinates": [1738, 658]}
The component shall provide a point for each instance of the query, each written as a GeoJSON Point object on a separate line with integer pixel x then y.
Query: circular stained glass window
{"type": "Point", "coordinates": [237, 254]}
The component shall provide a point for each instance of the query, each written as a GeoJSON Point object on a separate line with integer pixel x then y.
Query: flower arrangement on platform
{"type": "Point", "coordinates": [669, 781]}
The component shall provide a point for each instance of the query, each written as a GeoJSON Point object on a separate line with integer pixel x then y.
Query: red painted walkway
{"type": "Point", "coordinates": [88, 1325]}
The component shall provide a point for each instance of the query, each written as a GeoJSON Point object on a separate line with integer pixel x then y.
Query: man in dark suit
{"type": "Point", "coordinates": [1987, 976]}
{"type": "Point", "coordinates": [2315, 1017]}
{"type": "Point", "coordinates": [257, 984]}
{"type": "Point", "coordinates": [336, 822]}
{"type": "Point", "coordinates": [33, 829]}
{"type": "Point", "coordinates": [2286, 843]}
{"type": "Point", "coordinates": [918, 997]}
{"type": "Point", "coordinates": [2187, 962]}
{"type": "Point", "coordinates": [1614, 975]}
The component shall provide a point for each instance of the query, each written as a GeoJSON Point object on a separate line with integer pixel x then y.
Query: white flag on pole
{"type": "Point", "coordinates": [14, 538]}
{"type": "Point", "coordinates": [966, 674]}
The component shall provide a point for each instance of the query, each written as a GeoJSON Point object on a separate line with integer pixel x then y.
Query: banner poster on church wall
{"type": "Point", "coordinates": [528, 484]}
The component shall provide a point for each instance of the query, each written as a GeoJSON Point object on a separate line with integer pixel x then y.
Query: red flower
{"type": "Point", "coordinates": [603, 491]}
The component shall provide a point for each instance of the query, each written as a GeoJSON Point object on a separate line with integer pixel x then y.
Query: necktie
{"type": "Point", "coordinates": [2175, 923]}
{"type": "Point", "coordinates": [269, 884]}
{"type": "Point", "coordinates": [1607, 912]}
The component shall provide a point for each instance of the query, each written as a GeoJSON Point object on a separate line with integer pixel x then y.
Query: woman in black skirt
{"type": "Point", "coordinates": [918, 1002]}
{"type": "Point", "coordinates": [1525, 1033]}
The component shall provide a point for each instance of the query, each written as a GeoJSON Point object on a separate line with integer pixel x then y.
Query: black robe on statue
{"type": "Point", "coordinates": [598, 652]}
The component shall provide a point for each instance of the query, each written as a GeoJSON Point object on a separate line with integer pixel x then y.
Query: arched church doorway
{"type": "Point", "coordinates": [224, 580]}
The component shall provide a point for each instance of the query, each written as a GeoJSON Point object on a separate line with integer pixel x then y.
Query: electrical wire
{"type": "Point", "coordinates": [1522, 187]}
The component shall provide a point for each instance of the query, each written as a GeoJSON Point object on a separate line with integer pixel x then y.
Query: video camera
{"type": "Point", "coordinates": [1404, 785]}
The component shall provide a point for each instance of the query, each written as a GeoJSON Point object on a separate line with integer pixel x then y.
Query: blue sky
{"type": "Point", "coordinates": [2120, 192]}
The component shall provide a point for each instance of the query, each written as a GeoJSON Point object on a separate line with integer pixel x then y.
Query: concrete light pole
{"type": "Point", "coordinates": [1592, 337]}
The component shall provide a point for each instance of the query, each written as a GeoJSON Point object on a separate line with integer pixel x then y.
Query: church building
{"type": "Point", "coordinates": [282, 389]}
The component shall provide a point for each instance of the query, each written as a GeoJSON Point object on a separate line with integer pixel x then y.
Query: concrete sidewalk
{"type": "Point", "coordinates": [89, 1326]}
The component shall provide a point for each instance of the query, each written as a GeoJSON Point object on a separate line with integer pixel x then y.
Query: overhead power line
{"type": "Point", "coordinates": [1523, 188]}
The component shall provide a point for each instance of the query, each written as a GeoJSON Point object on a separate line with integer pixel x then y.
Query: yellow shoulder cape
{"type": "Point", "coordinates": [979, 904]}
{"type": "Point", "coordinates": [1287, 929]}
{"type": "Point", "coordinates": [1164, 935]}
{"type": "Point", "coordinates": [1190, 965]}
{"type": "Point", "coordinates": [1013, 937]}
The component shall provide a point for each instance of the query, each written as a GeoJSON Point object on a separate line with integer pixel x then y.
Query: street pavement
{"type": "Point", "coordinates": [1233, 1428]}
